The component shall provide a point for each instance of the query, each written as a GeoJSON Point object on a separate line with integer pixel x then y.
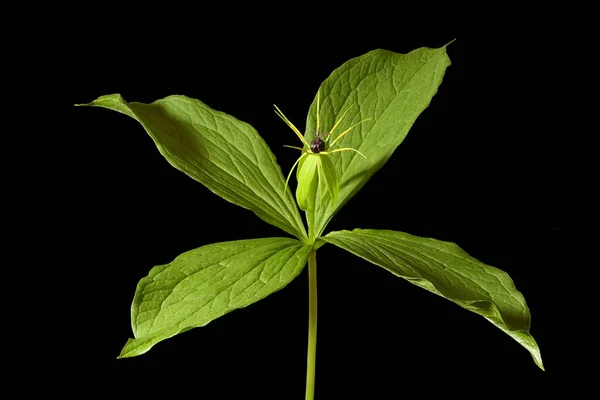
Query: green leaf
{"type": "Point", "coordinates": [226, 155]}
{"type": "Point", "coordinates": [206, 283]}
{"type": "Point", "coordinates": [388, 89]}
{"type": "Point", "coordinates": [445, 269]}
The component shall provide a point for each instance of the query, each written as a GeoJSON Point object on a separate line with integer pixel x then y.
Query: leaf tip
{"type": "Point", "coordinates": [449, 43]}
{"type": "Point", "coordinates": [537, 358]}
{"type": "Point", "coordinates": [131, 349]}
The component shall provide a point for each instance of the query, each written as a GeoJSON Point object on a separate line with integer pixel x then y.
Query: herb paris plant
{"type": "Point", "coordinates": [372, 100]}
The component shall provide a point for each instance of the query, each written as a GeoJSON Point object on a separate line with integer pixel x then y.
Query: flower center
{"type": "Point", "coordinates": [317, 145]}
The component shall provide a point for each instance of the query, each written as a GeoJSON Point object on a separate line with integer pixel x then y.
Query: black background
{"type": "Point", "coordinates": [473, 170]}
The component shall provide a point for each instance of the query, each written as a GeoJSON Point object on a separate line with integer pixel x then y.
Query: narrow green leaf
{"type": "Point", "coordinates": [445, 269]}
{"type": "Point", "coordinates": [388, 89]}
{"type": "Point", "coordinates": [206, 283]}
{"type": "Point", "coordinates": [226, 155]}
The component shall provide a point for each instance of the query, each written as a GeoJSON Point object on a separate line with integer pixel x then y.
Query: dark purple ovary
{"type": "Point", "coordinates": [317, 146]}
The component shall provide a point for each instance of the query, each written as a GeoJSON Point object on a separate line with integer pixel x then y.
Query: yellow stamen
{"type": "Point", "coordinates": [297, 148]}
{"type": "Point", "coordinates": [287, 121]}
{"type": "Point", "coordinates": [346, 131]}
{"type": "Point", "coordinates": [343, 149]}
{"type": "Point", "coordinates": [340, 120]}
{"type": "Point", "coordinates": [318, 101]}
{"type": "Point", "coordinates": [292, 170]}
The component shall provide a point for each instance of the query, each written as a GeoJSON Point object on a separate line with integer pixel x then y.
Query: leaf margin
{"type": "Point", "coordinates": [295, 225]}
{"type": "Point", "coordinates": [139, 345]}
{"type": "Point", "coordinates": [322, 215]}
{"type": "Point", "coordinates": [521, 336]}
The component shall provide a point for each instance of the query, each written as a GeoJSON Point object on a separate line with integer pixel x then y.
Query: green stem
{"type": "Point", "coordinates": [312, 325]}
{"type": "Point", "coordinates": [310, 220]}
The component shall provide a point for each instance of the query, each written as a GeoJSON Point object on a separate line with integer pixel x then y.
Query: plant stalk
{"type": "Point", "coordinates": [312, 325]}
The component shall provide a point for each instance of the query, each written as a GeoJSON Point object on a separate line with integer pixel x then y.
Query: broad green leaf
{"type": "Point", "coordinates": [388, 89]}
{"type": "Point", "coordinates": [226, 155]}
{"type": "Point", "coordinates": [206, 283]}
{"type": "Point", "coordinates": [445, 269]}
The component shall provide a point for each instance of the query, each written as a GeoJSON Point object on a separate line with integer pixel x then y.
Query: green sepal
{"type": "Point", "coordinates": [329, 177]}
{"type": "Point", "coordinates": [308, 179]}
